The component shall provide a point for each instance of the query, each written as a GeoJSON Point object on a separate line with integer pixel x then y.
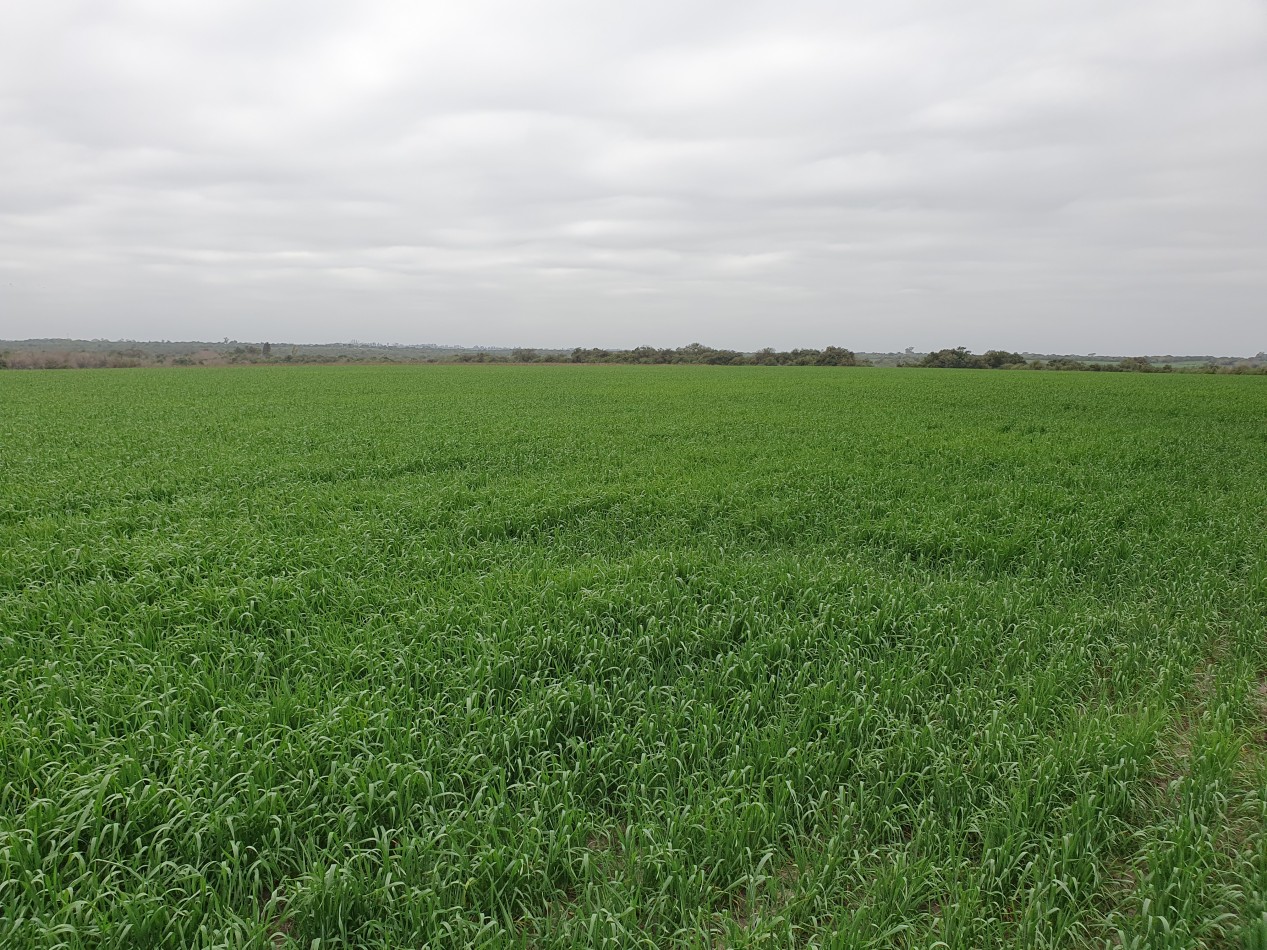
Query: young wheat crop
{"type": "Point", "coordinates": [632, 657]}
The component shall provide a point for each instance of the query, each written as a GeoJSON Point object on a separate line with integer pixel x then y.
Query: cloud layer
{"type": "Point", "coordinates": [1072, 176]}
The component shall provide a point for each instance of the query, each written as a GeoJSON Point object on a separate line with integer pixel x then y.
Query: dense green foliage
{"type": "Point", "coordinates": [632, 656]}
{"type": "Point", "coordinates": [699, 354]}
{"type": "Point", "coordinates": [961, 358]}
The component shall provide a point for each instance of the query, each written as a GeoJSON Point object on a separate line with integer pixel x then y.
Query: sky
{"type": "Point", "coordinates": [1072, 176]}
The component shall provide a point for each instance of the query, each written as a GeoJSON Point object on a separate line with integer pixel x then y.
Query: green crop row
{"type": "Point", "coordinates": [632, 657]}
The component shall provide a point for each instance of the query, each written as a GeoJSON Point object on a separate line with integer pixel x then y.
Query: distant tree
{"type": "Point", "coordinates": [837, 356]}
{"type": "Point", "coordinates": [720, 357]}
{"type": "Point", "coordinates": [524, 355]}
{"type": "Point", "coordinates": [267, 350]}
{"type": "Point", "coordinates": [799, 357]}
{"type": "Point", "coordinates": [1063, 363]}
{"type": "Point", "coordinates": [692, 352]}
{"type": "Point", "coordinates": [1137, 364]}
{"type": "Point", "coordinates": [766, 357]}
{"type": "Point", "coordinates": [996, 358]}
{"type": "Point", "coordinates": [957, 358]}
{"type": "Point", "coordinates": [699, 354]}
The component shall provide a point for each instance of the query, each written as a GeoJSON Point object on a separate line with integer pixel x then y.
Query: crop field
{"type": "Point", "coordinates": [632, 657]}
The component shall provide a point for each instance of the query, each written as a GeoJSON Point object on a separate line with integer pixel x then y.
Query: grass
{"type": "Point", "coordinates": [632, 657]}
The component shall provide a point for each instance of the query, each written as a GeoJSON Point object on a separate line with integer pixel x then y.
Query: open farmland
{"type": "Point", "coordinates": [631, 656]}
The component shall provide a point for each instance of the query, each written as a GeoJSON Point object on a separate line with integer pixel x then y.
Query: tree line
{"type": "Point", "coordinates": [104, 355]}
{"type": "Point", "coordinates": [961, 358]}
{"type": "Point", "coordinates": [694, 353]}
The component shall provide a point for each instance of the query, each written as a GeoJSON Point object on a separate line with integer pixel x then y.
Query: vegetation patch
{"type": "Point", "coordinates": [632, 656]}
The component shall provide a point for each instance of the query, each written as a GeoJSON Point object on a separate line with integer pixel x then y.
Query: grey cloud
{"type": "Point", "coordinates": [1055, 176]}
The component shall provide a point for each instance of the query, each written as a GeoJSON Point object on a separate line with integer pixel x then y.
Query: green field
{"type": "Point", "coordinates": [632, 657]}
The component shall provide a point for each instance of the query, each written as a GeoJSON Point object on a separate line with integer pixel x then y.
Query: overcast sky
{"type": "Point", "coordinates": [1071, 176]}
